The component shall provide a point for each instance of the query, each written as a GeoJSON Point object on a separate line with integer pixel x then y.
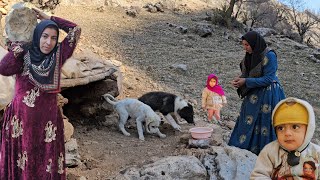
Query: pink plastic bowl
{"type": "Point", "coordinates": [201, 132]}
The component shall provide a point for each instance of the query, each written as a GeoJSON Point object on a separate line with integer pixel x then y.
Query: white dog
{"type": "Point", "coordinates": [136, 109]}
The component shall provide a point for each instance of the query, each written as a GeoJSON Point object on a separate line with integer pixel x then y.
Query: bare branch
{"type": "Point", "coordinates": [302, 20]}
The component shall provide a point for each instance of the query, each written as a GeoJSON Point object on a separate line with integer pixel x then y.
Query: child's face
{"type": "Point", "coordinates": [212, 82]}
{"type": "Point", "coordinates": [291, 136]}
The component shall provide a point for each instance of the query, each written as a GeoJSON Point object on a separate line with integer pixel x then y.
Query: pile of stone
{"type": "Point", "coordinates": [153, 8]}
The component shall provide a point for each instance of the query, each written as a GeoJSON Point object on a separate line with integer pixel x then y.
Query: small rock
{"type": "Point", "coordinates": [131, 13]}
{"type": "Point", "coordinates": [180, 66]}
{"type": "Point", "coordinates": [317, 55]}
{"type": "Point", "coordinates": [199, 143]}
{"type": "Point", "coordinates": [298, 46]}
{"type": "Point", "coordinates": [193, 101]}
{"type": "Point", "coordinates": [101, 9]}
{"type": "Point", "coordinates": [184, 139]}
{"type": "Point", "coordinates": [171, 25]}
{"type": "Point", "coordinates": [159, 6]}
{"type": "Point", "coordinates": [314, 59]}
{"type": "Point", "coordinates": [182, 29]}
{"type": "Point", "coordinates": [230, 124]}
{"type": "Point", "coordinates": [226, 35]}
{"type": "Point", "coordinates": [152, 9]}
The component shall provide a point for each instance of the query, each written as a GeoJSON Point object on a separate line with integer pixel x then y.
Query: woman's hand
{"type": "Point", "coordinates": [17, 48]}
{"type": "Point", "coordinates": [41, 15]}
{"type": "Point", "coordinates": [238, 82]}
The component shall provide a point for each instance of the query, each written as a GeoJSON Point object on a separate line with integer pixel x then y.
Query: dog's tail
{"type": "Point", "coordinates": [110, 99]}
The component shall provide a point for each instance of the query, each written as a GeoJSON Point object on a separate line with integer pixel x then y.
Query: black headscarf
{"type": "Point", "coordinates": [43, 68]}
{"type": "Point", "coordinates": [251, 66]}
{"type": "Point", "coordinates": [258, 45]}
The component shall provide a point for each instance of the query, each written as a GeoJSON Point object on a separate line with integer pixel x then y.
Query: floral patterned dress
{"type": "Point", "coordinates": [253, 129]}
{"type": "Point", "coordinates": [32, 135]}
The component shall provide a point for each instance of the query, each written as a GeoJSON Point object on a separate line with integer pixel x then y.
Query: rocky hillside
{"type": "Point", "coordinates": [165, 51]}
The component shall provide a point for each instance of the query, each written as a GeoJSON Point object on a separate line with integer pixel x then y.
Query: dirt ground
{"type": "Point", "coordinates": [147, 47]}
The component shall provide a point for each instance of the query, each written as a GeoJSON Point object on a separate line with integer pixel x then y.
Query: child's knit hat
{"type": "Point", "coordinates": [291, 112]}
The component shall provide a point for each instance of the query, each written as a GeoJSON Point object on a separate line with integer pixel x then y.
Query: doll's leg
{"type": "Point", "coordinates": [210, 114]}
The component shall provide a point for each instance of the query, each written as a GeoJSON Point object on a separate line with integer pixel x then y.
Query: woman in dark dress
{"type": "Point", "coordinates": [32, 135]}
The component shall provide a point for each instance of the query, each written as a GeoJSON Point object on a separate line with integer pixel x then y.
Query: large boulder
{"type": "Point", "coordinates": [19, 26]}
{"type": "Point", "coordinates": [85, 78]}
{"type": "Point", "coordinates": [229, 163]}
{"type": "Point", "coordinates": [20, 23]}
{"type": "Point", "coordinates": [172, 167]}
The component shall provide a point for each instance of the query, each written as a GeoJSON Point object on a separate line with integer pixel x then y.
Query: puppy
{"type": "Point", "coordinates": [169, 104]}
{"type": "Point", "coordinates": [141, 112]}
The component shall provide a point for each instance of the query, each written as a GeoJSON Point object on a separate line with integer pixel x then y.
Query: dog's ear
{"type": "Point", "coordinates": [147, 127]}
{"type": "Point", "coordinates": [148, 121]}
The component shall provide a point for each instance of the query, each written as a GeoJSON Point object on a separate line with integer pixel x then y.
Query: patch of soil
{"type": "Point", "coordinates": [105, 150]}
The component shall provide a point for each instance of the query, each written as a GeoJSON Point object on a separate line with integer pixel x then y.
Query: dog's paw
{"type": "Point", "coordinates": [126, 134]}
{"type": "Point", "coordinates": [141, 138]}
{"type": "Point", "coordinates": [162, 136]}
{"type": "Point", "coordinates": [182, 122]}
{"type": "Point", "coordinates": [178, 128]}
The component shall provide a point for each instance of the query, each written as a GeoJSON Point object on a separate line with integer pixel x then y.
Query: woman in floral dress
{"type": "Point", "coordinates": [260, 89]}
{"type": "Point", "coordinates": [32, 135]}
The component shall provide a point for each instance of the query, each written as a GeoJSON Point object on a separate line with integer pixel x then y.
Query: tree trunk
{"type": "Point", "coordinates": [229, 13]}
{"type": "Point", "coordinates": [237, 13]}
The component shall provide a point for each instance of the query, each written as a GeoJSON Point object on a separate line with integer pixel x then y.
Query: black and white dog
{"type": "Point", "coordinates": [169, 104]}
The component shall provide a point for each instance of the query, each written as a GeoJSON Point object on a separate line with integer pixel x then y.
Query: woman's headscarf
{"type": "Point", "coordinates": [217, 88]}
{"type": "Point", "coordinates": [258, 45]}
{"type": "Point", "coordinates": [43, 69]}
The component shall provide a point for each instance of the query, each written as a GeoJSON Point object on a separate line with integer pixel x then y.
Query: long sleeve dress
{"type": "Point", "coordinates": [32, 135]}
{"type": "Point", "coordinates": [253, 129]}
